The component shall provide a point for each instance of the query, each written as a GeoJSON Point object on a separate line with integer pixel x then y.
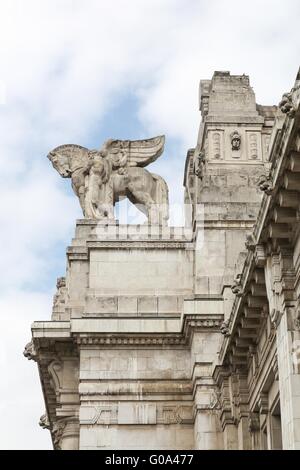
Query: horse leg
{"type": "Point", "coordinates": [140, 197]}
{"type": "Point", "coordinates": [81, 195]}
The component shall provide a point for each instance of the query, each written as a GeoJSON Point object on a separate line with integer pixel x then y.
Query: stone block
{"type": "Point", "coordinates": [168, 305]}
{"type": "Point", "coordinates": [96, 304]}
{"type": "Point", "coordinates": [147, 305]}
{"type": "Point", "coordinates": [132, 413]}
{"type": "Point", "coordinates": [127, 305]}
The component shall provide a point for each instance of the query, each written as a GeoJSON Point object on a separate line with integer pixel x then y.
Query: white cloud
{"type": "Point", "coordinates": [63, 66]}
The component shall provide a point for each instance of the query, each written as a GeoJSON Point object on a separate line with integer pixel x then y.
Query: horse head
{"type": "Point", "coordinates": [61, 163]}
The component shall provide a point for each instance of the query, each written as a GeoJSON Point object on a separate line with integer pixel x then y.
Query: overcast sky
{"type": "Point", "coordinates": [81, 71]}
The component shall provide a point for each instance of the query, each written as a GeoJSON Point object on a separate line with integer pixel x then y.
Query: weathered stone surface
{"type": "Point", "coordinates": [100, 177]}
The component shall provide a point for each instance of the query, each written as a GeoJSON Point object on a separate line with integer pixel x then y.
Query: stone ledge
{"type": "Point", "coordinates": [128, 332]}
{"type": "Point", "coordinates": [126, 325]}
{"type": "Point", "coordinates": [203, 306]}
{"type": "Point", "coordinates": [51, 329]}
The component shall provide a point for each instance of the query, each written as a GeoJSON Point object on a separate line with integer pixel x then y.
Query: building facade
{"type": "Point", "coordinates": [188, 337]}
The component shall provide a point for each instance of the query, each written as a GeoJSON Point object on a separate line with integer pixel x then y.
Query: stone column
{"type": "Point", "coordinates": [281, 298]}
{"type": "Point", "coordinates": [244, 438]}
{"type": "Point", "coordinates": [230, 434]}
{"type": "Point", "coordinates": [65, 434]}
{"type": "Point", "coordinates": [254, 429]}
{"type": "Point", "coordinates": [288, 341]}
{"type": "Point", "coordinates": [70, 436]}
{"type": "Point", "coordinates": [207, 429]}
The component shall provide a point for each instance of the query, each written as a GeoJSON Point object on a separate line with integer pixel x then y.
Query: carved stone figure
{"type": "Point", "coordinates": [250, 243]}
{"type": "Point", "coordinates": [102, 177]}
{"type": "Point", "coordinates": [30, 352]}
{"type": "Point", "coordinates": [44, 421]}
{"type": "Point", "coordinates": [225, 330]}
{"type": "Point", "coordinates": [265, 184]}
{"type": "Point", "coordinates": [199, 165]}
{"type": "Point", "coordinates": [235, 140]}
{"type": "Point", "coordinates": [59, 299]}
{"type": "Point", "coordinates": [58, 296]}
{"type": "Point", "coordinates": [288, 103]}
{"type": "Point", "coordinates": [237, 287]}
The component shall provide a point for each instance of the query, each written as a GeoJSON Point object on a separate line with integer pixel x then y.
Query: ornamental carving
{"type": "Point", "coordinates": [107, 414]}
{"type": "Point", "coordinates": [265, 184]}
{"type": "Point", "coordinates": [253, 422]}
{"type": "Point", "coordinates": [250, 243]}
{"type": "Point", "coordinates": [55, 370]}
{"type": "Point", "coordinates": [59, 299]}
{"type": "Point", "coordinates": [30, 352]}
{"type": "Point", "coordinates": [236, 287]}
{"type": "Point", "coordinates": [44, 421]}
{"type": "Point", "coordinates": [199, 165]}
{"type": "Point", "coordinates": [57, 432]}
{"type": "Point", "coordinates": [235, 139]}
{"type": "Point", "coordinates": [253, 146]}
{"type": "Point", "coordinates": [288, 104]}
{"type": "Point", "coordinates": [216, 138]}
{"type": "Point", "coordinates": [225, 330]}
{"type": "Point", "coordinates": [174, 414]}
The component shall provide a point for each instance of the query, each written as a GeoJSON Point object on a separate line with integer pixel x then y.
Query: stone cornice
{"type": "Point", "coordinates": [82, 252]}
{"type": "Point", "coordinates": [126, 332]}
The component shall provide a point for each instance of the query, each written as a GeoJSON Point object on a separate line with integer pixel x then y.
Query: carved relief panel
{"type": "Point", "coordinates": [266, 139]}
{"type": "Point", "coordinates": [235, 144]}
{"type": "Point", "coordinates": [216, 145]}
{"type": "Point", "coordinates": [254, 151]}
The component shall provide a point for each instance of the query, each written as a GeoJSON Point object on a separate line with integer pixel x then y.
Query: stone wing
{"type": "Point", "coordinates": [135, 152]}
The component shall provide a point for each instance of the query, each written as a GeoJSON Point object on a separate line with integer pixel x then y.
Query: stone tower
{"type": "Point", "coordinates": [128, 359]}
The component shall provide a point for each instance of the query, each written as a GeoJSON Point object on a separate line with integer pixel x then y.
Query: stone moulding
{"type": "Point", "coordinates": [81, 253]}
{"type": "Point", "coordinates": [117, 340]}
{"type": "Point", "coordinates": [191, 322]}
{"type": "Point", "coordinates": [181, 337]}
{"type": "Point", "coordinates": [138, 244]}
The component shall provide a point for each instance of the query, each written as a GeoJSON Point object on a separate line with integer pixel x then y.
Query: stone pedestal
{"type": "Point", "coordinates": [128, 353]}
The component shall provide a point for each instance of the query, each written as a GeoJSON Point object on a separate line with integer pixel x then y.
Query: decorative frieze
{"type": "Point", "coordinates": [126, 340]}
{"type": "Point", "coordinates": [211, 322]}
{"type": "Point", "coordinates": [137, 413]}
{"type": "Point", "coordinates": [104, 414]}
{"type": "Point", "coordinates": [174, 414]}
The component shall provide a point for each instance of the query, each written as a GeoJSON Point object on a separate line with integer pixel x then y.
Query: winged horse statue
{"type": "Point", "coordinates": [100, 178]}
